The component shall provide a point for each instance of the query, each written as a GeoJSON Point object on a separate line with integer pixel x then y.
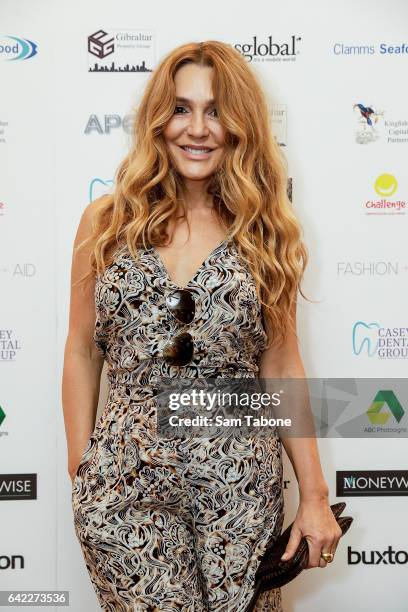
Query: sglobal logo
{"type": "Point", "coordinates": [371, 124]}
{"type": "Point", "coordinates": [18, 486]}
{"type": "Point", "coordinates": [385, 186]}
{"type": "Point", "coordinates": [361, 483]}
{"type": "Point", "coordinates": [128, 51]}
{"type": "Point", "coordinates": [375, 557]}
{"type": "Point", "coordinates": [108, 123]}
{"type": "Point", "coordinates": [13, 48]}
{"type": "Point", "coordinates": [270, 51]}
{"type": "Point", "coordinates": [383, 342]}
{"type": "Point", "coordinates": [13, 562]}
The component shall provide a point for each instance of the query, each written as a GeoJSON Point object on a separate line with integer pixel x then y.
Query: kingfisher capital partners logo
{"type": "Point", "coordinates": [121, 51]}
{"type": "Point", "coordinates": [385, 186]}
{"type": "Point", "coordinates": [374, 340]}
{"type": "Point", "coordinates": [13, 48]}
{"type": "Point", "coordinates": [371, 126]}
{"type": "Point", "coordinates": [270, 49]}
{"type": "Point", "coordinates": [363, 483]}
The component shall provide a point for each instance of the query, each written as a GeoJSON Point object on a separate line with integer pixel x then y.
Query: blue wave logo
{"type": "Point", "coordinates": [18, 49]}
{"type": "Point", "coordinates": [365, 336]}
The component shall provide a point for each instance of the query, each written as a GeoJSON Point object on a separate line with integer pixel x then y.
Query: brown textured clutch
{"type": "Point", "coordinates": [273, 573]}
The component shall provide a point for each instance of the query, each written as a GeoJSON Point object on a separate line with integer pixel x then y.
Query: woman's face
{"type": "Point", "coordinates": [195, 123]}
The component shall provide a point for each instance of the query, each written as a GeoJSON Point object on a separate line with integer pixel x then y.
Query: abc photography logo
{"type": "Point", "coordinates": [379, 483]}
{"type": "Point", "coordinates": [13, 48]}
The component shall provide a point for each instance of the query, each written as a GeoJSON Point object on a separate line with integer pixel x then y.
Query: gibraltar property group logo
{"type": "Point", "coordinates": [373, 340]}
{"type": "Point", "coordinates": [121, 51]}
{"type": "Point", "coordinates": [13, 48]}
{"type": "Point", "coordinates": [271, 50]}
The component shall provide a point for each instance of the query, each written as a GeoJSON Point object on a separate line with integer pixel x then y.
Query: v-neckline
{"type": "Point", "coordinates": [201, 266]}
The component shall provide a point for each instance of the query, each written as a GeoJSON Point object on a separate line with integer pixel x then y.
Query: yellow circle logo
{"type": "Point", "coordinates": [386, 185]}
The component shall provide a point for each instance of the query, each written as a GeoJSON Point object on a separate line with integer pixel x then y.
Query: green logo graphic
{"type": "Point", "coordinates": [2, 415]}
{"type": "Point", "coordinates": [386, 185]}
{"type": "Point", "coordinates": [385, 397]}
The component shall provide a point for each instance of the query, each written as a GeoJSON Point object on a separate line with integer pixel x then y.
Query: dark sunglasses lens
{"type": "Point", "coordinates": [182, 305]}
{"type": "Point", "coordinates": [180, 350]}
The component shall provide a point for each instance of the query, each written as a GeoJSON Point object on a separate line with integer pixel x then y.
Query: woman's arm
{"type": "Point", "coordinates": [82, 361]}
{"type": "Point", "coordinates": [314, 520]}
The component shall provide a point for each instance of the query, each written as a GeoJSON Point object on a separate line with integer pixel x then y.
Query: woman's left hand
{"type": "Point", "coordinates": [314, 521]}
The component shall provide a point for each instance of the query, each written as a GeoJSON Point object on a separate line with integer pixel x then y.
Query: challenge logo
{"type": "Point", "coordinates": [121, 51]}
{"type": "Point", "coordinates": [385, 185]}
{"type": "Point", "coordinates": [13, 48]}
{"type": "Point", "coordinates": [359, 483]}
{"type": "Point", "coordinates": [270, 51]}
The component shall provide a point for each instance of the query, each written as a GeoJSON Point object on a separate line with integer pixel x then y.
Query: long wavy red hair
{"type": "Point", "coordinates": [249, 189]}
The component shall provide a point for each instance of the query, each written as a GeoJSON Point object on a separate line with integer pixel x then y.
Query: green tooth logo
{"type": "Point", "coordinates": [2, 415]}
{"type": "Point", "coordinates": [385, 397]}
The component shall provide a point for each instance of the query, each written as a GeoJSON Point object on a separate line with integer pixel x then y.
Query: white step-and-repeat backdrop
{"type": "Point", "coordinates": [336, 75]}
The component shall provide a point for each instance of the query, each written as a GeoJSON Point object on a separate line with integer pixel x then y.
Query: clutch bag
{"type": "Point", "coordinates": [272, 572]}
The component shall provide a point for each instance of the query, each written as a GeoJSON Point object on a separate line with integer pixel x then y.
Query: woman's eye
{"type": "Point", "coordinates": [214, 110]}
{"type": "Point", "coordinates": [177, 107]}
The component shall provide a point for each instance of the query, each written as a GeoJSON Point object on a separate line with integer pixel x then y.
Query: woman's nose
{"type": "Point", "coordinates": [197, 125]}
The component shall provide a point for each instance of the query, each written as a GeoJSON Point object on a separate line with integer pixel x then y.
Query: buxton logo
{"type": "Point", "coordinates": [375, 557]}
{"type": "Point", "coordinates": [377, 415]}
{"type": "Point", "coordinates": [362, 483]}
{"type": "Point", "coordinates": [13, 562]}
{"type": "Point", "coordinates": [13, 48]}
{"type": "Point", "coordinates": [272, 50]}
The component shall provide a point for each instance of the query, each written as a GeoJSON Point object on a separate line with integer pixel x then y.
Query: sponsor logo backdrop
{"type": "Point", "coordinates": [71, 74]}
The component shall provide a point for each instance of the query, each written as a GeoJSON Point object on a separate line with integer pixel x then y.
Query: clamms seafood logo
{"type": "Point", "coordinates": [121, 51]}
{"type": "Point", "coordinates": [371, 125]}
{"type": "Point", "coordinates": [376, 341]}
{"type": "Point", "coordinates": [385, 186]}
{"type": "Point", "coordinates": [273, 50]}
{"type": "Point", "coordinates": [14, 48]}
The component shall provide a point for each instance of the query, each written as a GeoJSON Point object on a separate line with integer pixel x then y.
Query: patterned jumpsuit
{"type": "Point", "coordinates": [175, 524]}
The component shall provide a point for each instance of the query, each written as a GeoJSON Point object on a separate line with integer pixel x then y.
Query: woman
{"type": "Point", "coordinates": [167, 524]}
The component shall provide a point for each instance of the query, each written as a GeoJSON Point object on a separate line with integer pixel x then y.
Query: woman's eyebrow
{"type": "Point", "coordinates": [187, 101]}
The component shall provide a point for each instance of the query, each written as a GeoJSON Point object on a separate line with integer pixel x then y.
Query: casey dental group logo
{"type": "Point", "coordinates": [121, 51]}
{"type": "Point", "coordinates": [13, 48]}
{"type": "Point", "coordinates": [270, 50]}
{"type": "Point", "coordinates": [385, 186]}
{"type": "Point", "coordinates": [379, 483]}
{"type": "Point", "coordinates": [371, 126]}
{"type": "Point", "coordinates": [374, 340]}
